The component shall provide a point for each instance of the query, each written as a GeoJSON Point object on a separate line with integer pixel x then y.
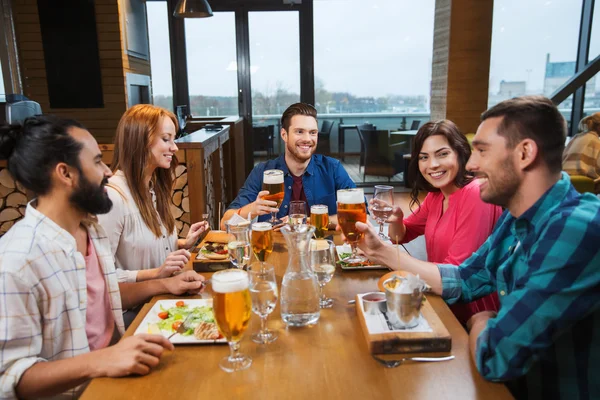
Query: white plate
{"type": "Point", "coordinates": [152, 318]}
{"type": "Point", "coordinates": [345, 248]}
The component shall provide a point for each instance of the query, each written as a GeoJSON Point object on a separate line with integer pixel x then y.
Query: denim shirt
{"type": "Point", "coordinates": [321, 180]}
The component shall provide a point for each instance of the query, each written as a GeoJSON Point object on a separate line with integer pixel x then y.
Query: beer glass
{"type": "Point", "coordinates": [322, 261]}
{"type": "Point", "coordinates": [262, 240]}
{"type": "Point", "coordinates": [297, 213]}
{"type": "Point", "coordinates": [351, 209]}
{"type": "Point", "coordinates": [319, 218]}
{"type": "Point", "coordinates": [264, 293]}
{"type": "Point", "coordinates": [239, 245]}
{"type": "Point", "coordinates": [382, 205]}
{"type": "Point", "coordinates": [273, 182]}
{"type": "Point", "coordinates": [232, 310]}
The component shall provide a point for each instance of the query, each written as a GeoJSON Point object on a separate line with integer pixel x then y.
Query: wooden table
{"type": "Point", "coordinates": [327, 361]}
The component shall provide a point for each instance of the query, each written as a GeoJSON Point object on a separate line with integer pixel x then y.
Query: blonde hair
{"type": "Point", "coordinates": [136, 132]}
{"type": "Point", "coordinates": [590, 123]}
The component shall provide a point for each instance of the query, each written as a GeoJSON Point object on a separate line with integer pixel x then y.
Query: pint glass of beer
{"type": "Point", "coordinates": [319, 218]}
{"type": "Point", "coordinates": [262, 240]}
{"type": "Point", "coordinates": [273, 182]}
{"type": "Point", "coordinates": [351, 208]}
{"type": "Point", "coordinates": [232, 308]}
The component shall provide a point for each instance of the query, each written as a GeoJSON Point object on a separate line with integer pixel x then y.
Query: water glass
{"type": "Point", "coordinates": [322, 261]}
{"type": "Point", "coordinates": [264, 293]}
{"type": "Point", "coordinates": [239, 245]}
{"type": "Point", "coordinates": [298, 213]}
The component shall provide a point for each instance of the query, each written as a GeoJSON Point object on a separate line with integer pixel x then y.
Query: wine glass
{"type": "Point", "coordinates": [239, 245]}
{"type": "Point", "coordinates": [382, 206]}
{"type": "Point", "coordinates": [264, 293]}
{"type": "Point", "coordinates": [232, 309]}
{"type": "Point", "coordinates": [297, 213]}
{"type": "Point", "coordinates": [322, 261]}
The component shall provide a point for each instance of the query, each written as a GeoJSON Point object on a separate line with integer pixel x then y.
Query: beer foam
{"type": "Point", "coordinates": [319, 209]}
{"type": "Point", "coordinates": [262, 226]}
{"type": "Point", "coordinates": [273, 178]}
{"type": "Point", "coordinates": [351, 196]}
{"type": "Point", "coordinates": [231, 280]}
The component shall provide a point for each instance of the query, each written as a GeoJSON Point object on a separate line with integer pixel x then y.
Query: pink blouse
{"type": "Point", "coordinates": [452, 236]}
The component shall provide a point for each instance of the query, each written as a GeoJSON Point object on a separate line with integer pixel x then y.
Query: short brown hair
{"type": "Point", "coordinates": [536, 118]}
{"type": "Point", "coordinates": [457, 141]}
{"type": "Point", "coordinates": [297, 109]}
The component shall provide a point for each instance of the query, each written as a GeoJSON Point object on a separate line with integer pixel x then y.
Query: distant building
{"type": "Point", "coordinates": [557, 73]}
{"type": "Point", "coordinates": [512, 89]}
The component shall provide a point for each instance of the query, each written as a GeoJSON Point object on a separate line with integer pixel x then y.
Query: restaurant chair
{"type": "Point", "coordinates": [324, 141]}
{"type": "Point", "coordinates": [263, 138]}
{"type": "Point", "coordinates": [582, 183]}
{"type": "Point", "coordinates": [382, 158]}
{"type": "Point", "coordinates": [415, 125]}
{"type": "Point", "coordinates": [363, 128]}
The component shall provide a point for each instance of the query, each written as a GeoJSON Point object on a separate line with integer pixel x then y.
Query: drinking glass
{"type": "Point", "coordinates": [231, 306]}
{"type": "Point", "coordinates": [239, 245]}
{"type": "Point", "coordinates": [273, 182]}
{"type": "Point", "coordinates": [297, 213]}
{"type": "Point", "coordinates": [350, 210]}
{"type": "Point", "coordinates": [264, 293]}
{"type": "Point", "coordinates": [262, 240]}
{"type": "Point", "coordinates": [319, 218]}
{"type": "Point", "coordinates": [322, 261]}
{"type": "Point", "coordinates": [382, 206]}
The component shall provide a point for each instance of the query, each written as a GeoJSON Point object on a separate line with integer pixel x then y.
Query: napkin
{"type": "Point", "coordinates": [237, 220]}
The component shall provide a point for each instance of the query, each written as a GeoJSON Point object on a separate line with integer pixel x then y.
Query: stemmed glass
{"type": "Point", "coordinates": [382, 206]}
{"type": "Point", "coordinates": [322, 261]}
{"type": "Point", "coordinates": [273, 182]}
{"type": "Point", "coordinates": [264, 293]}
{"type": "Point", "coordinates": [239, 245]}
{"type": "Point", "coordinates": [232, 305]}
{"type": "Point", "coordinates": [297, 213]}
{"type": "Point", "coordinates": [262, 240]}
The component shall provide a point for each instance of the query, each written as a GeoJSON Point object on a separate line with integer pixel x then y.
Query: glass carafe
{"type": "Point", "coordinates": [300, 289]}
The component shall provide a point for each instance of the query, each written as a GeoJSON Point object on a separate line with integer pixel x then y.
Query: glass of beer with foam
{"type": "Point", "coordinates": [319, 218]}
{"type": "Point", "coordinates": [262, 240]}
{"type": "Point", "coordinates": [273, 182]}
{"type": "Point", "coordinates": [351, 209]}
{"type": "Point", "coordinates": [232, 307]}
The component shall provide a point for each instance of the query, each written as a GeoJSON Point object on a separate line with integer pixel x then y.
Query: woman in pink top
{"type": "Point", "coordinates": [453, 218]}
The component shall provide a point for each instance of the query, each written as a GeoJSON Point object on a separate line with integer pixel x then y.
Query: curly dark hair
{"type": "Point", "coordinates": [458, 142]}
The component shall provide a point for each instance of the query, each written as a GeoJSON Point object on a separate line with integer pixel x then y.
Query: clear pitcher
{"type": "Point", "coordinates": [299, 290]}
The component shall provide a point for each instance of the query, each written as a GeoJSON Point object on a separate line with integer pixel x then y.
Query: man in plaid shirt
{"type": "Point", "coordinates": [542, 259]}
{"type": "Point", "coordinates": [60, 302]}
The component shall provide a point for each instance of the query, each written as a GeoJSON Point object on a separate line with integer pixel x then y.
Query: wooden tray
{"type": "Point", "coordinates": [398, 342]}
{"type": "Point", "coordinates": [208, 265]}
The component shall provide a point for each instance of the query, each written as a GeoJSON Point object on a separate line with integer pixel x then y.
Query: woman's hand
{"type": "Point", "coordinates": [174, 262]}
{"type": "Point", "coordinates": [194, 233]}
{"type": "Point", "coordinates": [396, 230]}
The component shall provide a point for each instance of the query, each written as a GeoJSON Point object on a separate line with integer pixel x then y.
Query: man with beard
{"type": "Point", "coordinates": [61, 307]}
{"type": "Point", "coordinates": [542, 259]}
{"type": "Point", "coordinates": [310, 177]}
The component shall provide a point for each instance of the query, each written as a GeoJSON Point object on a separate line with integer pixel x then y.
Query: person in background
{"type": "Point", "coordinates": [453, 218]}
{"type": "Point", "coordinates": [140, 225]}
{"type": "Point", "coordinates": [542, 259]}
{"type": "Point", "coordinates": [310, 177]}
{"type": "Point", "coordinates": [62, 306]}
{"type": "Point", "coordinates": [582, 154]}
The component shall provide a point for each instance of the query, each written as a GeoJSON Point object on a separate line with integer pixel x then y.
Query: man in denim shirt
{"type": "Point", "coordinates": [310, 177]}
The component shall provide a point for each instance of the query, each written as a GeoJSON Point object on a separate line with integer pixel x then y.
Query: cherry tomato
{"type": "Point", "coordinates": [176, 325]}
{"type": "Point", "coordinates": [180, 303]}
{"type": "Point", "coordinates": [163, 315]}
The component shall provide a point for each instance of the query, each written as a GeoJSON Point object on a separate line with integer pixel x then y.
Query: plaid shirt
{"type": "Point", "coordinates": [545, 340]}
{"type": "Point", "coordinates": [43, 296]}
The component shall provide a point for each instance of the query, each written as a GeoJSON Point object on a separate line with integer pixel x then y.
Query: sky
{"type": "Point", "coordinates": [368, 48]}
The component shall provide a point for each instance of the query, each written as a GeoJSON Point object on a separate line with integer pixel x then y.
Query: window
{"type": "Point", "coordinates": [534, 48]}
{"type": "Point", "coordinates": [373, 63]}
{"type": "Point", "coordinates": [211, 65]}
{"type": "Point", "coordinates": [2, 90]}
{"type": "Point", "coordinates": [160, 54]}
